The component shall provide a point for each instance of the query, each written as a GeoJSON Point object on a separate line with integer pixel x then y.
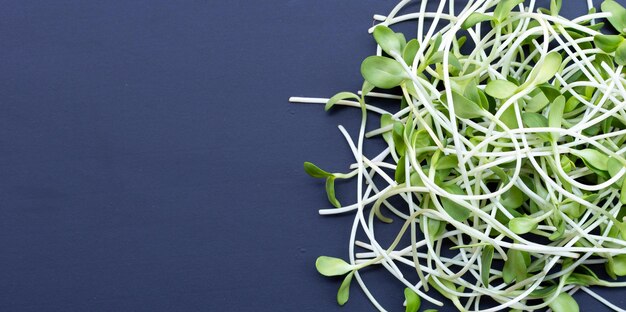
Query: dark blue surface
{"type": "Point", "coordinates": [149, 160]}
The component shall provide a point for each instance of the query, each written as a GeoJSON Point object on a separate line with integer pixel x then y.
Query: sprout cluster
{"type": "Point", "coordinates": [506, 150]}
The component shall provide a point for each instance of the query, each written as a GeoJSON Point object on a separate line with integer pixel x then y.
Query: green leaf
{"type": "Point", "coordinates": [513, 198]}
{"type": "Point", "coordinates": [331, 266]}
{"type": "Point", "coordinates": [567, 164]}
{"type": "Point", "coordinates": [609, 266]}
{"type": "Point", "coordinates": [555, 115]}
{"type": "Point", "coordinates": [560, 230]}
{"type": "Point", "coordinates": [500, 89]}
{"type": "Point", "coordinates": [465, 108]}
{"type": "Point", "coordinates": [564, 303]}
{"type": "Point", "coordinates": [330, 191]}
{"type": "Point", "coordinates": [344, 290]}
{"type": "Point", "coordinates": [420, 138]}
{"type": "Point", "coordinates": [592, 158]}
{"type": "Point", "coordinates": [618, 17]}
{"type": "Point", "coordinates": [448, 285]}
{"type": "Point", "coordinates": [571, 104]}
{"type": "Point", "coordinates": [410, 50]}
{"type": "Point", "coordinates": [398, 137]}
{"type": "Point", "coordinates": [555, 7]}
{"type": "Point", "coordinates": [547, 69]}
{"type": "Point", "coordinates": [408, 127]}
{"type": "Point", "coordinates": [619, 265]}
{"type": "Point", "coordinates": [340, 96]}
{"type": "Point", "coordinates": [400, 174]}
{"type": "Point", "coordinates": [383, 72]}
{"type": "Point", "coordinates": [315, 171]}
{"type": "Point", "coordinates": [620, 54]}
{"type": "Point", "coordinates": [435, 228]}
{"type": "Point", "coordinates": [614, 166]}
{"type": "Point", "coordinates": [515, 267]}
{"type": "Point", "coordinates": [387, 40]}
{"type": "Point", "coordinates": [504, 8]}
{"type": "Point", "coordinates": [607, 124]}
{"type": "Point", "coordinates": [386, 120]}
{"type": "Point", "coordinates": [534, 120]}
{"type": "Point", "coordinates": [435, 58]}
{"type": "Point", "coordinates": [416, 180]}
{"type": "Point", "coordinates": [522, 225]}
{"type": "Point", "coordinates": [550, 91]}
{"type": "Point", "coordinates": [537, 102]}
{"type": "Point", "coordinates": [543, 292]}
{"type": "Point", "coordinates": [413, 301]}
{"type": "Point", "coordinates": [474, 19]}
{"type": "Point", "coordinates": [509, 118]}
{"type": "Point", "coordinates": [447, 162]}
{"type": "Point", "coordinates": [572, 209]}
{"type": "Point", "coordinates": [366, 88]}
{"type": "Point", "coordinates": [607, 43]}
{"type": "Point", "coordinates": [500, 173]}
{"type": "Point", "coordinates": [456, 211]}
{"type": "Point", "coordinates": [582, 279]}
{"type": "Point", "coordinates": [485, 264]}
{"type": "Point", "coordinates": [453, 61]}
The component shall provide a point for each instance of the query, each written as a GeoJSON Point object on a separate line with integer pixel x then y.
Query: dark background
{"type": "Point", "coordinates": [150, 161]}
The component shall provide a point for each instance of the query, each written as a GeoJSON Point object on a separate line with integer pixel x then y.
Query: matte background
{"type": "Point", "coordinates": [150, 161]}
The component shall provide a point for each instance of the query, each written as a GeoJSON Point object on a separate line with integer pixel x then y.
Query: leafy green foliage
{"type": "Point", "coordinates": [383, 72]}
{"type": "Point", "coordinates": [388, 40]}
{"type": "Point", "coordinates": [474, 19]}
{"type": "Point", "coordinates": [593, 158]}
{"type": "Point", "coordinates": [315, 171]}
{"type": "Point", "coordinates": [454, 209]}
{"type": "Point", "coordinates": [522, 225]}
{"type": "Point", "coordinates": [466, 108]}
{"type": "Point", "coordinates": [515, 267]}
{"type": "Point", "coordinates": [485, 264]}
{"type": "Point", "coordinates": [413, 301]}
{"type": "Point", "coordinates": [452, 130]}
{"type": "Point", "coordinates": [501, 89]}
{"type": "Point", "coordinates": [344, 290]}
{"type": "Point", "coordinates": [618, 18]}
{"type": "Point", "coordinates": [410, 50]}
{"type": "Point", "coordinates": [330, 191]}
{"type": "Point", "coordinates": [546, 70]}
{"type": "Point", "coordinates": [607, 43]}
{"type": "Point", "coordinates": [564, 303]}
{"type": "Point", "coordinates": [330, 266]}
{"type": "Point", "coordinates": [340, 96]}
{"type": "Point", "coordinates": [620, 54]}
{"type": "Point", "coordinates": [504, 8]}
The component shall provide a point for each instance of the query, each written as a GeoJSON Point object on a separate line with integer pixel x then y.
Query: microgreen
{"type": "Point", "coordinates": [340, 96]}
{"type": "Point", "coordinates": [522, 225]}
{"type": "Point", "coordinates": [315, 171]}
{"type": "Point", "coordinates": [618, 15]}
{"type": "Point", "coordinates": [564, 303]}
{"type": "Point", "coordinates": [413, 301]}
{"type": "Point", "coordinates": [344, 290]}
{"type": "Point", "coordinates": [383, 72]}
{"type": "Point", "coordinates": [485, 264]}
{"type": "Point", "coordinates": [504, 8]}
{"type": "Point", "coordinates": [607, 43]}
{"type": "Point", "coordinates": [503, 160]}
{"type": "Point", "coordinates": [500, 89]}
{"type": "Point", "coordinates": [388, 40]}
{"type": "Point", "coordinates": [330, 266]}
{"type": "Point", "coordinates": [476, 18]}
